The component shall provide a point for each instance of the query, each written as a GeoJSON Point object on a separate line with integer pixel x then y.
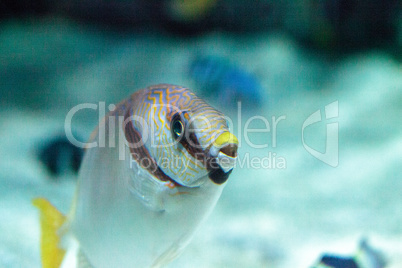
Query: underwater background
{"type": "Point", "coordinates": [319, 120]}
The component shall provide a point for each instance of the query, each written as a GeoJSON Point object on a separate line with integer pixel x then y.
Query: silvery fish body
{"type": "Point", "coordinates": [153, 171]}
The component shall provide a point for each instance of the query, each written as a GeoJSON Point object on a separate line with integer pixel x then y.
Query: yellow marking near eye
{"type": "Point", "coordinates": [173, 100]}
{"type": "Point", "coordinates": [185, 100]}
{"type": "Point", "coordinates": [204, 107]}
{"type": "Point", "coordinates": [214, 125]}
{"type": "Point", "coordinates": [160, 93]}
{"type": "Point", "coordinates": [206, 114]}
{"type": "Point", "coordinates": [161, 119]}
{"type": "Point", "coordinates": [192, 169]}
{"type": "Point", "coordinates": [152, 98]}
{"type": "Point", "coordinates": [143, 109]}
{"type": "Point", "coordinates": [156, 123]}
{"type": "Point", "coordinates": [188, 174]}
{"type": "Point", "coordinates": [210, 139]}
{"type": "Point", "coordinates": [189, 158]}
{"type": "Point", "coordinates": [176, 90]}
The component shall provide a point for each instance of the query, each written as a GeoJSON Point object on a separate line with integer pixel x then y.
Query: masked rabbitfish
{"type": "Point", "coordinates": [152, 172]}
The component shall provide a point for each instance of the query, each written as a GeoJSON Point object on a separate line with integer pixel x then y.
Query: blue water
{"type": "Point", "coordinates": [284, 212]}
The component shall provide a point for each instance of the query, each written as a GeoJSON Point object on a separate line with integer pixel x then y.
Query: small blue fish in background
{"type": "Point", "coordinates": [218, 78]}
{"type": "Point", "coordinates": [365, 257]}
{"type": "Point", "coordinates": [60, 156]}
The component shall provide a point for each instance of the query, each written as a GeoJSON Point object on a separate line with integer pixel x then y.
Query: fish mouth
{"type": "Point", "coordinates": [222, 157]}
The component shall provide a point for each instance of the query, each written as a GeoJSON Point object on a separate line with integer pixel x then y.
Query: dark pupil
{"type": "Point", "coordinates": [177, 128]}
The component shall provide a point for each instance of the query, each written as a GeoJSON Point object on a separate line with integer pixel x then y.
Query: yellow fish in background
{"type": "Point", "coordinates": [152, 172]}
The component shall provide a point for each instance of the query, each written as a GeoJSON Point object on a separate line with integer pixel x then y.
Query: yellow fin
{"type": "Point", "coordinates": [50, 221]}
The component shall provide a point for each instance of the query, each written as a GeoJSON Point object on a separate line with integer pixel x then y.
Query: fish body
{"type": "Point", "coordinates": [138, 204]}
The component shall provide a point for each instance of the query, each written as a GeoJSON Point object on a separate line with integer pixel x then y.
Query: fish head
{"type": "Point", "coordinates": [189, 140]}
{"type": "Point", "coordinates": [200, 136]}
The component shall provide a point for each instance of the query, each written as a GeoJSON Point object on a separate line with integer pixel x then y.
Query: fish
{"type": "Point", "coordinates": [190, 11]}
{"type": "Point", "coordinates": [152, 172]}
{"type": "Point", "coordinates": [60, 156]}
{"type": "Point", "coordinates": [219, 78]}
{"type": "Point", "coordinates": [365, 257]}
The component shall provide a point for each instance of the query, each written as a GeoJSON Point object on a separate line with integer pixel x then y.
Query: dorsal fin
{"type": "Point", "coordinates": [50, 221]}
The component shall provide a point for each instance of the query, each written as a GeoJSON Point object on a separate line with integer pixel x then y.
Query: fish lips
{"type": "Point", "coordinates": [216, 173]}
{"type": "Point", "coordinates": [221, 162]}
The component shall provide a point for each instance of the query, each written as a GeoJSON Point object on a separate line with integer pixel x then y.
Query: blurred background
{"type": "Point", "coordinates": [280, 59]}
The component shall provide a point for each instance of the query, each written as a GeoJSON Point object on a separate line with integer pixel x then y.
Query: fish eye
{"type": "Point", "coordinates": [177, 128]}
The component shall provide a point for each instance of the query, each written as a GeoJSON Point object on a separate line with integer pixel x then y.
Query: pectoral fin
{"type": "Point", "coordinates": [50, 221]}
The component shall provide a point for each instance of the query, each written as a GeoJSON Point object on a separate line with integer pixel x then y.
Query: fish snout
{"type": "Point", "coordinates": [223, 153]}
